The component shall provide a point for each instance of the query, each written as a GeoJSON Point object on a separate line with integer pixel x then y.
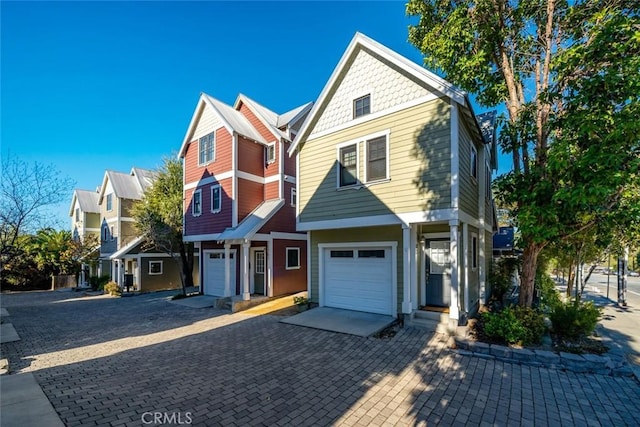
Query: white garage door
{"type": "Point", "coordinates": [214, 273]}
{"type": "Point", "coordinates": [358, 278]}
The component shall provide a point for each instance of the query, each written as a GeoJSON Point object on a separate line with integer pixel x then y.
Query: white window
{"type": "Point", "coordinates": [439, 259]}
{"type": "Point", "coordinates": [77, 214]}
{"type": "Point", "coordinates": [270, 153]}
{"type": "Point", "coordinates": [348, 165]}
{"type": "Point", "coordinates": [207, 149]}
{"type": "Point", "coordinates": [474, 162]}
{"type": "Point", "coordinates": [155, 268]}
{"type": "Point", "coordinates": [293, 258]}
{"type": "Point", "coordinates": [377, 158]}
{"type": "Point", "coordinates": [196, 203]}
{"type": "Point", "coordinates": [361, 106]}
{"type": "Point", "coordinates": [294, 197]}
{"type": "Point", "coordinates": [487, 179]}
{"type": "Point", "coordinates": [112, 234]}
{"type": "Point", "coordinates": [474, 251]}
{"type": "Point", "coordinates": [109, 202]}
{"type": "Point", "coordinates": [216, 199]}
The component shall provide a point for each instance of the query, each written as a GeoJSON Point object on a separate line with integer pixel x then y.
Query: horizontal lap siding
{"type": "Point", "coordinates": [288, 281]}
{"type": "Point", "coordinates": [272, 168]}
{"type": "Point", "coordinates": [285, 219]}
{"type": "Point", "coordinates": [345, 235]}
{"type": "Point", "coordinates": [250, 157]}
{"type": "Point", "coordinates": [468, 185]}
{"type": "Point", "coordinates": [272, 190]}
{"type": "Point", "coordinates": [289, 161]}
{"type": "Point", "coordinates": [419, 167]}
{"type": "Point", "coordinates": [169, 279]}
{"type": "Point", "coordinates": [222, 162]}
{"type": "Point", "coordinates": [250, 195]}
{"type": "Point", "coordinates": [208, 222]}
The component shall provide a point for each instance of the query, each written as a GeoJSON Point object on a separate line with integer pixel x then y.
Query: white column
{"type": "Point", "coordinates": [406, 269]}
{"type": "Point", "coordinates": [465, 259]}
{"type": "Point", "coordinates": [245, 271]}
{"type": "Point", "coordinates": [227, 270]}
{"type": "Point", "coordinates": [414, 266]}
{"type": "Point", "coordinates": [482, 265]}
{"type": "Point", "coordinates": [453, 253]}
{"type": "Point", "coordinates": [269, 275]}
{"type": "Point", "coordinates": [423, 272]}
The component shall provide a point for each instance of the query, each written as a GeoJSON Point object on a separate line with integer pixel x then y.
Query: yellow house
{"type": "Point", "coordinates": [394, 176]}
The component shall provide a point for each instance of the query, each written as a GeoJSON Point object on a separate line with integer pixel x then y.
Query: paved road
{"type": "Point", "coordinates": [108, 361]}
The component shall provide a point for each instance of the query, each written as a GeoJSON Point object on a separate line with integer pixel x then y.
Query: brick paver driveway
{"type": "Point", "coordinates": [123, 361]}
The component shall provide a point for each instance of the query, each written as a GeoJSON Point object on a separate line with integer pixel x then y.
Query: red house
{"type": "Point", "coordinates": [240, 197]}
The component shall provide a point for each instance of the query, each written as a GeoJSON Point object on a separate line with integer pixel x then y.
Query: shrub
{"type": "Point", "coordinates": [300, 300]}
{"type": "Point", "coordinates": [519, 325]}
{"type": "Point", "coordinates": [549, 296]}
{"type": "Point", "coordinates": [97, 282]}
{"type": "Point", "coordinates": [501, 274]}
{"type": "Point", "coordinates": [574, 320]}
{"type": "Point", "coordinates": [112, 288]}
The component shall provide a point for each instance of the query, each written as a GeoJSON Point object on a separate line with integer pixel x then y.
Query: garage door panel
{"type": "Point", "coordinates": [359, 279]}
{"type": "Point", "coordinates": [214, 273]}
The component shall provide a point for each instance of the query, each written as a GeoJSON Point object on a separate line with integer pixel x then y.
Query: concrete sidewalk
{"type": "Point", "coordinates": [23, 403]}
{"type": "Point", "coordinates": [344, 321]}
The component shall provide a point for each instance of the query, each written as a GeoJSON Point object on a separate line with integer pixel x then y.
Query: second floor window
{"type": "Point", "coordinates": [361, 106]}
{"type": "Point", "coordinates": [377, 158]}
{"type": "Point", "coordinates": [294, 197]}
{"type": "Point", "coordinates": [207, 149]}
{"type": "Point", "coordinates": [216, 199]}
{"type": "Point", "coordinates": [474, 162]}
{"type": "Point", "coordinates": [77, 214]}
{"type": "Point", "coordinates": [196, 203]}
{"type": "Point", "coordinates": [105, 233]}
{"type": "Point", "coordinates": [109, 202]}
{"type": "Point", "coordinates": [270, 153]}
{"type": "Point", "coordinates": [349, 165]}
{"type": "Point", "coordinates": [487, 177]}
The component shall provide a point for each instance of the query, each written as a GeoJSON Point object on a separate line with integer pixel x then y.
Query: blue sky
{"type": "Point", "coordinates": [89, 86]}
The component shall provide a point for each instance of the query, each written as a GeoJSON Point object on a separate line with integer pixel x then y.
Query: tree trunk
{"type": "Point", "coordinates": [570, 279]}
{"type": "Point", "coordinates": [527, 280]}
{"type": "Point", "coordinates": [186, 264]}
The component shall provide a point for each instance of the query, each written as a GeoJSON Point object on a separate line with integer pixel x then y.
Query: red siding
{"type": "Point", "coordinates": [271, 190]}
{"type": "Point", "coordinates": [272, 168]}
{"type": "Point", "coordinates": [289, 281]}
{"type": "Point", "coordinates": [251, 157]}
{"type": "Point", "coordinates": [250, 195]}
{"type": "Point", "coordinates": [289, 162]}
{"type": "Point", "coordinates": [208, 222]}
{"type": "Point", "coordinates": [222, 163]}
{"type": "Point", "coordinates": [285, 219]}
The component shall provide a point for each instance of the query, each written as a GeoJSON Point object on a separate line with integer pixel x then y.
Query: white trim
{"type": "Point", "coordinates": [209, 180]}
{"type": "Point", "coordinates": [255, 178]}
{"type": "Point", "coordinates": [193, 195]}
{"type": "Point", "coordinates": [431, 236]}
{"type": "Point", "coordinates": [374, 116]}
{"type": "Point", "coordinates": [161, 268]}
{"type": "Point", "coordinates": [281, 170]}
{"type": "Point", "coordinates": [474, 259]}
{"type": "Point", "coordinates": [252, 269]}
{"type": "Point", "coordinates": [262, 237]}
{"type": "Point", "coordinates": [465, 271]}
{"type": "Point", "coordinates": [309, 267]}
{"type": "Point", "coordinates": [219, 188]}
{"type": "Point", "coordinates": [293, 197]}
{"type": "Point", "coordinates": [406, 270]}
{"type": "Point", "coordinates": [200, 237]}
{"type": "Point", "coordinates": [286, 258]}
{"type": "Point", "coordinates": [288, 236]}
{"type": "Point", "coordinates": [423, 275]}
{"type": "Point", "coordinates": [227, 269]}
{"type": "Point", "coordinates": [290, 179]}
{"type": "Point", "coordinates": [366, 140]}
{"type": "Point", "coordinates": [388, 219]}
{"type": "Point", "coordinates": [267, 159]}
{"type": "Point", "coordinates": [413, 244]}
{"type": "Point", "coordinates": [473, 164]}
{"type": "Point", "coordinates": [234, 182]}
{"type": "Point", "coordinates": [90, 229]}
{"type": "Point", "coordinates": [246, 295]}
{"type": "Point", "coordinates": [358, 96]}
{"type": "Point", "coordinates": [269, 273]}
{"type": "Point", "coordinates": [150, 255]}
{"type": "Point", "coordinates": [213, 159]}
{"type": "Point", "coordinates": [454, 312]}
{"type": "Point", "coordinates": [339, 147]}
{"type": "Point", "coordinates": [297, 184]}
{"type": "Point", "coordinates": [455, 157]}
{"type": "Point", "coordinates": [394, 267]}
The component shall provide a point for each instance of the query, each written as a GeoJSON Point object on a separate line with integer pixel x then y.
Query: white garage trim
{"type": "Point", "coordinates": [393, 246]}
{"type": "Point", "coordinates": [233, 276]}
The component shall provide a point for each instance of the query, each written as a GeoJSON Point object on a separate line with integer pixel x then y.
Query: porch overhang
{"type": "Point", "coordinates": [250, 225]}
{"type": "Point", "coordinates": [126, 249]}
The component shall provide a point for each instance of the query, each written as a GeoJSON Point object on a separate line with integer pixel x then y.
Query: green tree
{"type": "Point", "coordinates": [158, 217]}
{"type": "Point", "coordinates": [568, 77]}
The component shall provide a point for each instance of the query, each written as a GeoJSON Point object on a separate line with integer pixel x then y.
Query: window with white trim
{"type": "Point", "coordinates": [77, 214]}
{"type": "Point", "coordinates": [293, 258]}
{"type": "Point", "coordinates": [105, 233]}
{"type": "Point", "coordinates": [207, 149]}
{"type": "Point", "coordinates": [348, 165]}
{"type": "Point", "coordinates": [361, 106]}
{"type": "Point", "coordinates": [196, 203]}
{"type": "Point", "coordinates": [294, 196]}
{"type": "Point", "coordinates": [474, 162]}
{"type": "Point", "coordinates": [109, 202]}
{"type": "Point", "coordinates": [487, 181]}
{"type": "Point", "coordinates": [270, 153]}
{"type": "Point", "coordinates": [474, 251]}
{"type": "Point", "coordinates": [155, 268]}
{"type": "Point", "coordinates": [216, 199]}
{"type": "Point", "coordinates": [377, 158]}
{"type": "Point", "coordinates": [113, 237]}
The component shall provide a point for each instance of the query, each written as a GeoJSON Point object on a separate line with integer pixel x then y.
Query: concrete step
{"type": "Point", "coordinates": [432, 315]}
{"type": "Point", "coordinates": [428, 324]}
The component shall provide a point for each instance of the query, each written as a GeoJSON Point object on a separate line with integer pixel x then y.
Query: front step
{"type": "Point", "coordinates": [428, 325]}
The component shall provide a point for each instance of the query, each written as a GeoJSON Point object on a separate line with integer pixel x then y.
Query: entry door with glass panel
{"type": "Point", "coordinates": [438, 270]}
{"type": "Point", "coordinates": [258, 272]}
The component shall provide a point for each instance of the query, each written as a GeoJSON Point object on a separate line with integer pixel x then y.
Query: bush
{"type": "Point", "coordinates": [574, 320]}
{"type": "Point", "coordinates": [519, 325]}
{"type": "Point", "coordinates": [501, 274]}
{"type": "Point", "coordinates": [112, 288]}
{"type": "Point", "coordinates": [549, 296]}
{"type": "Point", "coordinates": [300, 300]}
{"type": "Point", "coordinates": [97, 282]}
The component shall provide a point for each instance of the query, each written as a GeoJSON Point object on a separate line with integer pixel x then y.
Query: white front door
{"type": "Point", "coordinates": [214, 273]}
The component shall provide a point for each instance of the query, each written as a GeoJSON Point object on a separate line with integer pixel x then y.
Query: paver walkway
{"type": "Point", "coordinates": [110, 361]}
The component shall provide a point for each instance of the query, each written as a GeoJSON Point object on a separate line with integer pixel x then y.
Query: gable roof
{"type": "Point", "coordinates": [359, 42]}
{"type": "Point", "coordinates": [127, 185]}
{"type": "Point", "coordinates": [252, 222]}
{"type": "Point", "coordinates": [87, 199]}
{"type": "Point", "coordinates": [292, 116]}
{"type": "Point", "coordinates": [232, 120]}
